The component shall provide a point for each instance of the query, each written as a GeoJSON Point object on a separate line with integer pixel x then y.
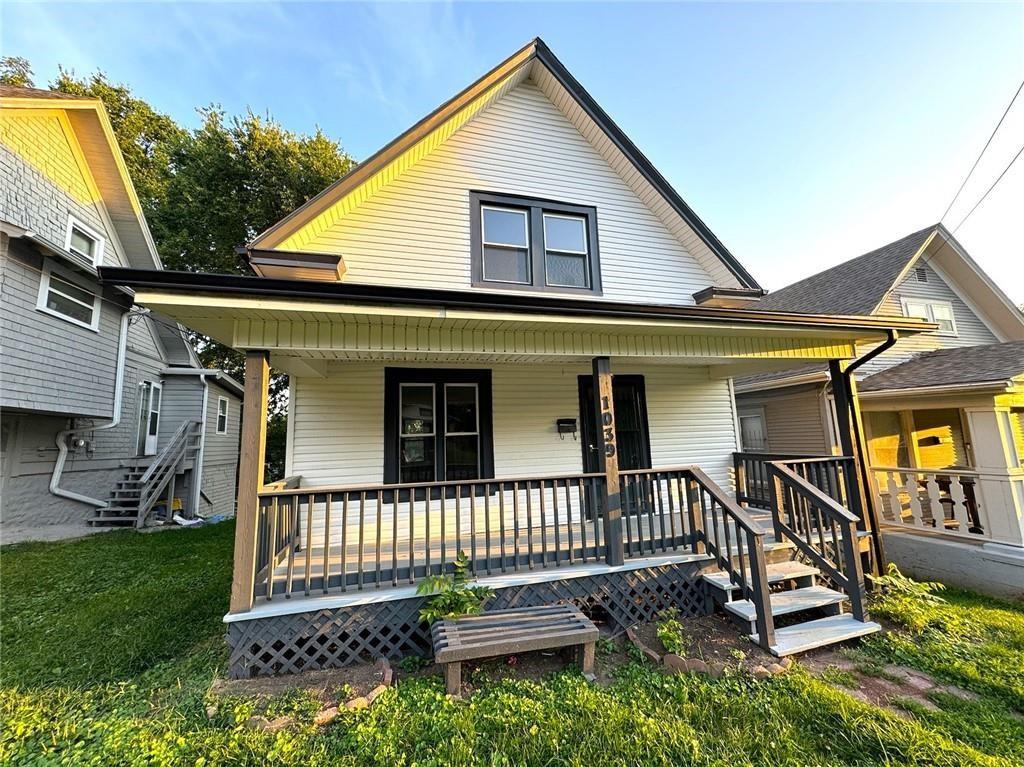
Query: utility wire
{"type": "Point", "coordinates": [989, 190]}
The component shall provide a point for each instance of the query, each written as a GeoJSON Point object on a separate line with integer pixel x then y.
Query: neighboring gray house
{"type": "Point", "coordinates": [107, 415]}
{"type": "Point", "coordinates": [943, 412]}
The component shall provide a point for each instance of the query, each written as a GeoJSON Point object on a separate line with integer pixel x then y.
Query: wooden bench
{"type": "Point", "coordinates": [504, 632]}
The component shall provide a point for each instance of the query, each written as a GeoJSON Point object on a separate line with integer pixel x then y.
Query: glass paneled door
{"type": "Point", "coordinates": [150, 395]}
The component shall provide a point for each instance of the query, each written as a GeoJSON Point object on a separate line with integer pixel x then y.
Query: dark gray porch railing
{"type": "Point", "coordinates": [820, 528]}
{"type": "Point", "coordinates": [836, 476]}
{"type": "Point", "coordinates": [321, 540]}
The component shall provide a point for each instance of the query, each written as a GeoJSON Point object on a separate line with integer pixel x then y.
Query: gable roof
{"type": "Point", "coordinates": [856, 286]}
{"type": "Point", "coordinates": [535, 61]}
{"type": "Point", "coordinates": [95, 136]}
{"type": "Point", "coordinates": [989, 363]}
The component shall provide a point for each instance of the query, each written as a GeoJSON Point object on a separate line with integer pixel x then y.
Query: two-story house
{"type": "Point", "coordinates": [108, 417]}
{"type": "Point", "coordinates": [943, 411]}
{"type": "Point", "coordinates": [507, 335]}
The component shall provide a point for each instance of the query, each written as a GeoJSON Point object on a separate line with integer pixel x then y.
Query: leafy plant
{"type": "Point", "coordinates": [606, 646]}
{"type": "Point", "coordinates": [412, 663]}
{"type": "Point", "coordinates": [670, 632]}
{"type": "Point", "coordinates": [912, 604]}
{"type": "Point", "coordinates": [452, 596]}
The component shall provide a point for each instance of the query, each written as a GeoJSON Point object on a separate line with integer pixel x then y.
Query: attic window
{"type": "Point", "coordinates": [84, 242]}
{"type": "Point", "coordinates": [922, 274]}
{"type": "Point", "coordinates": [521, 243]}
{"type": "Point", "coordinates": [939, 312]}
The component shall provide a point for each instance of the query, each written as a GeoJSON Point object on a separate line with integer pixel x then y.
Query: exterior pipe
{"type": "Point", "coordinates": [62, 436]}
{"type": "Point", "coordinates": [858, 436]}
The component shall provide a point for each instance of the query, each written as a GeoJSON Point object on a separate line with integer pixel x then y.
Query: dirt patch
{"type": "Point", "coordinates": [329, 686]}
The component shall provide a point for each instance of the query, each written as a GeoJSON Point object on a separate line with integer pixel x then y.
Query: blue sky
{"type": "Point", "coordinates": [803, 134]}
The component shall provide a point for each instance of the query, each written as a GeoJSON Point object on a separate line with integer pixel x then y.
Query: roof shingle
{"type": "Point", "coordinates": [993, 363]}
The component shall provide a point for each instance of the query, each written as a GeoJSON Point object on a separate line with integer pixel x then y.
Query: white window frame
{"type": "Point", "coordinates": [485, 243]}
{"type": "Point", "coordinates": [227, 405]}
{"type": "Point", "coordinates": [929, 306]}
{"type": "Point", "coordinates": [67, 276]}
{"type": "Point", "coordinates": [88, 231]}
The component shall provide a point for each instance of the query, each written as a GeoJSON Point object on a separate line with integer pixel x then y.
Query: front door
{"type": "Point", "coordinates": [150, 395]}
{"type": "Point", "coordinates": [630, 401]}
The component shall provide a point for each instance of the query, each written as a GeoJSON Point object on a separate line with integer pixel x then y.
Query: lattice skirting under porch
{"type": "Point", "coordinates": [337, 637]}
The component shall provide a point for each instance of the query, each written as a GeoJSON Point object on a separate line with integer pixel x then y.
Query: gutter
{"type": "Point", "coordinates": [62, 436]}
{"type": "Point", "coordinates": [861, 442]}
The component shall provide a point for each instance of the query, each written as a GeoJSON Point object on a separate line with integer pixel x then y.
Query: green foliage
{"type": "Point", "coordinates": [452, 595]}
{"type": "Point", "coordinates": [80, 689]}
{"type": "Point", "coordinates": [412, 663]}
{"type": "Point", "coordinates": [912, 604]}
{"type": "Point", "coordinates": [670, 632]}
{"type": "Point", "coordinates": [606, 646]}
{"type": "Point", "coordinates": [16, 71]}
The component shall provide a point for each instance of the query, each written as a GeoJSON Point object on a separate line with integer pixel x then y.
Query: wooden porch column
{"type": "Point", "coordinates": [853, 443]}
{"type": "Point", "coordinates": [250, 477]}
{"type": "Point", "coordinates": [607, 447]}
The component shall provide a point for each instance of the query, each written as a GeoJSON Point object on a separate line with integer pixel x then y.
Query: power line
{"type": "Point", "coordinates": [989, 190]}
{"type": "Point", "coordinates": [981, 154]}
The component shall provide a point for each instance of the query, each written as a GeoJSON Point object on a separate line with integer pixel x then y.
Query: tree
{"type": "Point", "coordinates": [206, 191]}
{"type": "Point", "coordinates": [14, 70]}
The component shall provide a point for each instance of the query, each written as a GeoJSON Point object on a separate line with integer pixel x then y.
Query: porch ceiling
{"type": "Point", "coordinates": [320, 330]}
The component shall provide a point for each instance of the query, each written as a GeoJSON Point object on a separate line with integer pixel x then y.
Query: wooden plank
{"type": "Point", "coordinates": [525, 644]}
{"type": "Point", "coordinates": [607, 446]}
{"type": "Point", "coordinates": [250, 477]}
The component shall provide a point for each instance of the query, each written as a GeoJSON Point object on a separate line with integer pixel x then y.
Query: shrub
{"type": "Point", "coordinates": [670, 632]}
{"type": "Point", "coordinates": [451, 596]}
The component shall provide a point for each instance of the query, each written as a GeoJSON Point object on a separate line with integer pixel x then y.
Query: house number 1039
{"type": "Point", "coordinates": [608, 426]}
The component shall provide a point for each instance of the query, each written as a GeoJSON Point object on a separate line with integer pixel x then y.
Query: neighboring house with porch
{"type": "Point", "coordinates": [107, 416]}
{"type": "Point", "coordinates": [507, 335]}
{"type": "Point", "coordinates": [943, 411]}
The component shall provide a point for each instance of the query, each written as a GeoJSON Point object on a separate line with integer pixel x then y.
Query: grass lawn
{"type": "Point", "coordinates": [110, 646]}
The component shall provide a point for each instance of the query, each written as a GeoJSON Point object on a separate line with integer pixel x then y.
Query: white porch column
{"type": "Point", "coordinates": [1002, 498]}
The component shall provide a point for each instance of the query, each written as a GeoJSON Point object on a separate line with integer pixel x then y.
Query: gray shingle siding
{"type": "Point", "coordinates": [51, 365]}
{"type": "Point", "coordinates": [220, 453]}
{"type": "Point", "coordinates": [182, 400]}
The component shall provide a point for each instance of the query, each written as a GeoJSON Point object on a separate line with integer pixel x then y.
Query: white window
{"type": "Point", "coordinates": [506, 245]}
{"type": "Point", "coordinates": [565, 249]}
{"type": "Point", "coordinates": [222, 415]}
{"type": "Point", "coordinates": [64, 295]}
{"type": "Point", "coordinates": [753, 434]}
{"type": "Point", "coordinates": [939, 312]}
{"type": "Point", "coordinates": [84, 242]}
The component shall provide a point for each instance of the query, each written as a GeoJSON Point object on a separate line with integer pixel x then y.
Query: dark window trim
{"type": "Point", "coordinates": [394, 377]}
{"type": "Point", "coordinates": [536, 207]}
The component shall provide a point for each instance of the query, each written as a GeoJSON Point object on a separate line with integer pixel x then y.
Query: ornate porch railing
{"type": "Point", "coordinates": [945, 500]}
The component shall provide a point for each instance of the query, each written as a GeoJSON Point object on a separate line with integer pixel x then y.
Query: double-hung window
{"type": "Point", "coordinates": [437, 425]}
{"type": "Point", "coordinates": [939, 312]}
{"type": "Point", "coordinates": [222, 415]}
{"type": "Point", "coordinates": [522, 243]}
{"type": "Point", "coordinates": [64, 294]}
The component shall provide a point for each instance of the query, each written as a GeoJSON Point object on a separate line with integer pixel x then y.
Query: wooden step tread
{"type": "Point", "coordinates": [785, 602]}
{"type": "Point", "coordinates": [819, 633]}
{"type": "Point", "coordinates": [777, 571]}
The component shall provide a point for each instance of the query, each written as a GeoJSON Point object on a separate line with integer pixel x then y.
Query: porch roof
{"type": "Point", "coordinates": [318, 320]}
{"type": "Point", "coordinates": [994, 364]}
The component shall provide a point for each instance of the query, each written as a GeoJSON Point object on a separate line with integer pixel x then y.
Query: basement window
{"type": "Point", "coordinates": [65, 295]}
{"type": "Point", "coordinates": [522, 243]}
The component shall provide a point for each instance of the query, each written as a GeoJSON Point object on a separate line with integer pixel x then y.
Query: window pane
{"type": "Point", "coordinates": [943, 316]}
{"type": "Point", "coordinates": [505, 227]}
{"type": "Point", "coordinates": [68, 308]}
{"type": "Point", "coordinates": [82, 243]}
{"type": "Point", "coordinates": [561, 233]}
{"type": "Point", "coordinates": [417, 410]}
{"type": "Point", "coordinates": [462, 457]}
{"type": "Point", "coordinates": [567, 271]}
{"type": "Point", "coordinates": [915, 309]}
{"type": "Point", "coordinates": [506, 264]}
{"type": "Point", "coordinates": [70, 289]}
{"type": "Point", "coordinates": [416, 459]}
{"type": "Point", "coordinates": [460, 409]}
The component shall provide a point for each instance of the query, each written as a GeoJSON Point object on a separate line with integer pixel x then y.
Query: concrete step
{"type": "Point", "coordinates": [777, 572]}
{"type": "Point", "coordinates": [785, 602]}
{"type": "Point", "coordinates": [819, 633]}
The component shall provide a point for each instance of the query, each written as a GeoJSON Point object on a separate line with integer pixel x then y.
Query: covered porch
{"type": "Point", "coordinates": [573, 450]}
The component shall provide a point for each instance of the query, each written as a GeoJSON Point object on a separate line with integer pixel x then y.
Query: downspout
{"type": "Point", "coordinates": [62, 436]}
{"type": "Point", "coordinates": [858, 437]}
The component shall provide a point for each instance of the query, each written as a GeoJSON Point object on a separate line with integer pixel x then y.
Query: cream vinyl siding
{"type": "Point", "coordinates": [971, 329]}
{"type": "Point", "coordinates": [794, 419]}
{"type": "Point", "coordinates": [338, 432]}
{"type": "Point", "coordinates": [415, 230]}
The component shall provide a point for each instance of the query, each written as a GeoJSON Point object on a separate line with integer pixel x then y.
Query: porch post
{"type": "Point", "coordinates": [852, 442]}
{"type": "Point", "coordinates": [250, 477]}
{"type": "Point", "coordinates": [607, 448]}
